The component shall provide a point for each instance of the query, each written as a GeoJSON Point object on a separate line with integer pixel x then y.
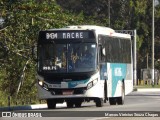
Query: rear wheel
{"type": "Point", "coordinates": [51, 104]}
{"type": "Point", "coordinates": [120, 101]}
{"type": "Point", "coordinates": [112, 101]}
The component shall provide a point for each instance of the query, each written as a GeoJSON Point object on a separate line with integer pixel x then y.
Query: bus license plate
{"type": "Point", "coordinates": [68, 92]}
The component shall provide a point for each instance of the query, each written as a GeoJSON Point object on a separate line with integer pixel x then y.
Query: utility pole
{"type": "Point", "coordinates": [153, 43]}
{"type": "Point", "coordinates": [109, 17]}
{"type": "Point", "coordinates": [135, 58]}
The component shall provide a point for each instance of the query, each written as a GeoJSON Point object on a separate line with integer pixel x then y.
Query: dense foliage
{"type": "Point", "coordinates": [124, 15]}
{"type": "Point", "coordinates": [24, 18]}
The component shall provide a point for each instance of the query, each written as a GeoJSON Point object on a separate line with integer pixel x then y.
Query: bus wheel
{"type": "Point", "coordinates": [70, 104]}
{"type": "Point", "coordinates": [112, 101]}
{"type": "Point", "coordinates": [120, 100]}
{"type": "Point", "coordinates": [99, 102]}
{"type": "Point", "coordinates": [78, 104]}
{"type": "Point", "coordinates": [51, 104]}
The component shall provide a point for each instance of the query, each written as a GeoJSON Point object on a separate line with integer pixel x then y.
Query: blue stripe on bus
{"type": "Point", "coordinates": [118, 73]}
{"type": "Point", "coordinates": [73, 84]}
{"type": "Point", "coordinates": [103, 70]}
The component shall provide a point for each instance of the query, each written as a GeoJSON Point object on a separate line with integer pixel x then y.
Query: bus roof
{"type": "Point", "coordinates": [98, 30]}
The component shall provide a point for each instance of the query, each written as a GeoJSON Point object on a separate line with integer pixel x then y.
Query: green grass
{"type": "Point", "coordinates": [147, 84]}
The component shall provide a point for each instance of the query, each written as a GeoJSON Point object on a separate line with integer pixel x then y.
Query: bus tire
{"type": "Point", "coordinates": [78, 104]}
{"type": "Point", "coordinates": [99, 102]}
{"type": "Point", "coordinates": [112, 101]}
{"type": "Point", "coordinates": [51, 104]}
{"type": "Point", "coordinates": [70, 104]}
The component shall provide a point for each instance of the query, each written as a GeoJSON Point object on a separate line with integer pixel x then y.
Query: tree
{"type": "Point", "coordinates": [124, 15]}
{"type": "Point", "coordinates": [23, 20]}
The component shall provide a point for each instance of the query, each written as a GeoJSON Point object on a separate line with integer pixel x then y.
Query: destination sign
{"type": "Point", "coordinates": [66, 35]}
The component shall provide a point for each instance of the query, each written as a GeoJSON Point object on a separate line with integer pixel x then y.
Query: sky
{"type": "Point", "coordinates": [156, 2]}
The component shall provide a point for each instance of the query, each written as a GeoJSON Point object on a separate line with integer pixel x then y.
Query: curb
{"type": "Point", "coordinates": [147, 89]}
{"type": "Point", "coordinates": [29, 107]}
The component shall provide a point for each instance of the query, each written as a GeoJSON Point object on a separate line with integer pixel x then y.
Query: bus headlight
{"type": "Point", "coordinates": [40, 82]}
{"type": "Point", "coordinates": [89, 85]}
{"type": "Point", "coordinates": [95, 81]}
{"type": "Point", "coordinates": [92, 83]}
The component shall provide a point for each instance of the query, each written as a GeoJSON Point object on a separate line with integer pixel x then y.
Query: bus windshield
{"type": "Point", "coordinates": [67, 58]}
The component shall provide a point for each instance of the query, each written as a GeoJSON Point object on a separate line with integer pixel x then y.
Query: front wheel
{"type": "Point", "coordinates": [78, 104]}
{"type": "Point", "coordinates": [51, 104]}
{"type": "Point", "coordinates": [99, 102]}
{"type": "Point", "coordinates": [70, 104]}
{"type": "Point", "coordinates": [112, 101]}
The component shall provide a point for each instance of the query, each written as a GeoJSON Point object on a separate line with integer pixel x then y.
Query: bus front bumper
{"type": "Point", "coordinates": [91, 93]}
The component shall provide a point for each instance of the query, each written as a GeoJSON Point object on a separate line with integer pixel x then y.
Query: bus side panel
{"type": "Point", "coordinates": [121, 72]}
{"type": "Point", "coordinates": [128, 82]}
{"type": "Point", "coordinates": [129, 79]}
{"type": "Point", "coordinates": [106, 74]}
{"type": "Point", "coordinates": [114, 73]}
{"type": "Point", "coordinates": [118, 74]}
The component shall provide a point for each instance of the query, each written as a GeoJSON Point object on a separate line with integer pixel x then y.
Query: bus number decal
{"type": "Point", "coordinates": [118, 71]}
{"type": "Point", "coordinates": [51, 36]}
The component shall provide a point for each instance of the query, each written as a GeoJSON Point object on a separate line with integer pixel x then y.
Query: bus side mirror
{"type": "Point", "coordinates": [102, 50]}
{"type": "Point", "coordinates": [34, 53]}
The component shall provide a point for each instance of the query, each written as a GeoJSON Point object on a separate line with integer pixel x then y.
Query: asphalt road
{"type": "Point", "coordinates": [137, 104]}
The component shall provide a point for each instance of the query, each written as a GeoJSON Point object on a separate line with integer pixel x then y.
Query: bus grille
{"type": "Point", "coordinates": [75, 91]}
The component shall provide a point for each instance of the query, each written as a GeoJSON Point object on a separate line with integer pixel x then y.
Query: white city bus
{"type": "Point", "coordinates": [84, 63]}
